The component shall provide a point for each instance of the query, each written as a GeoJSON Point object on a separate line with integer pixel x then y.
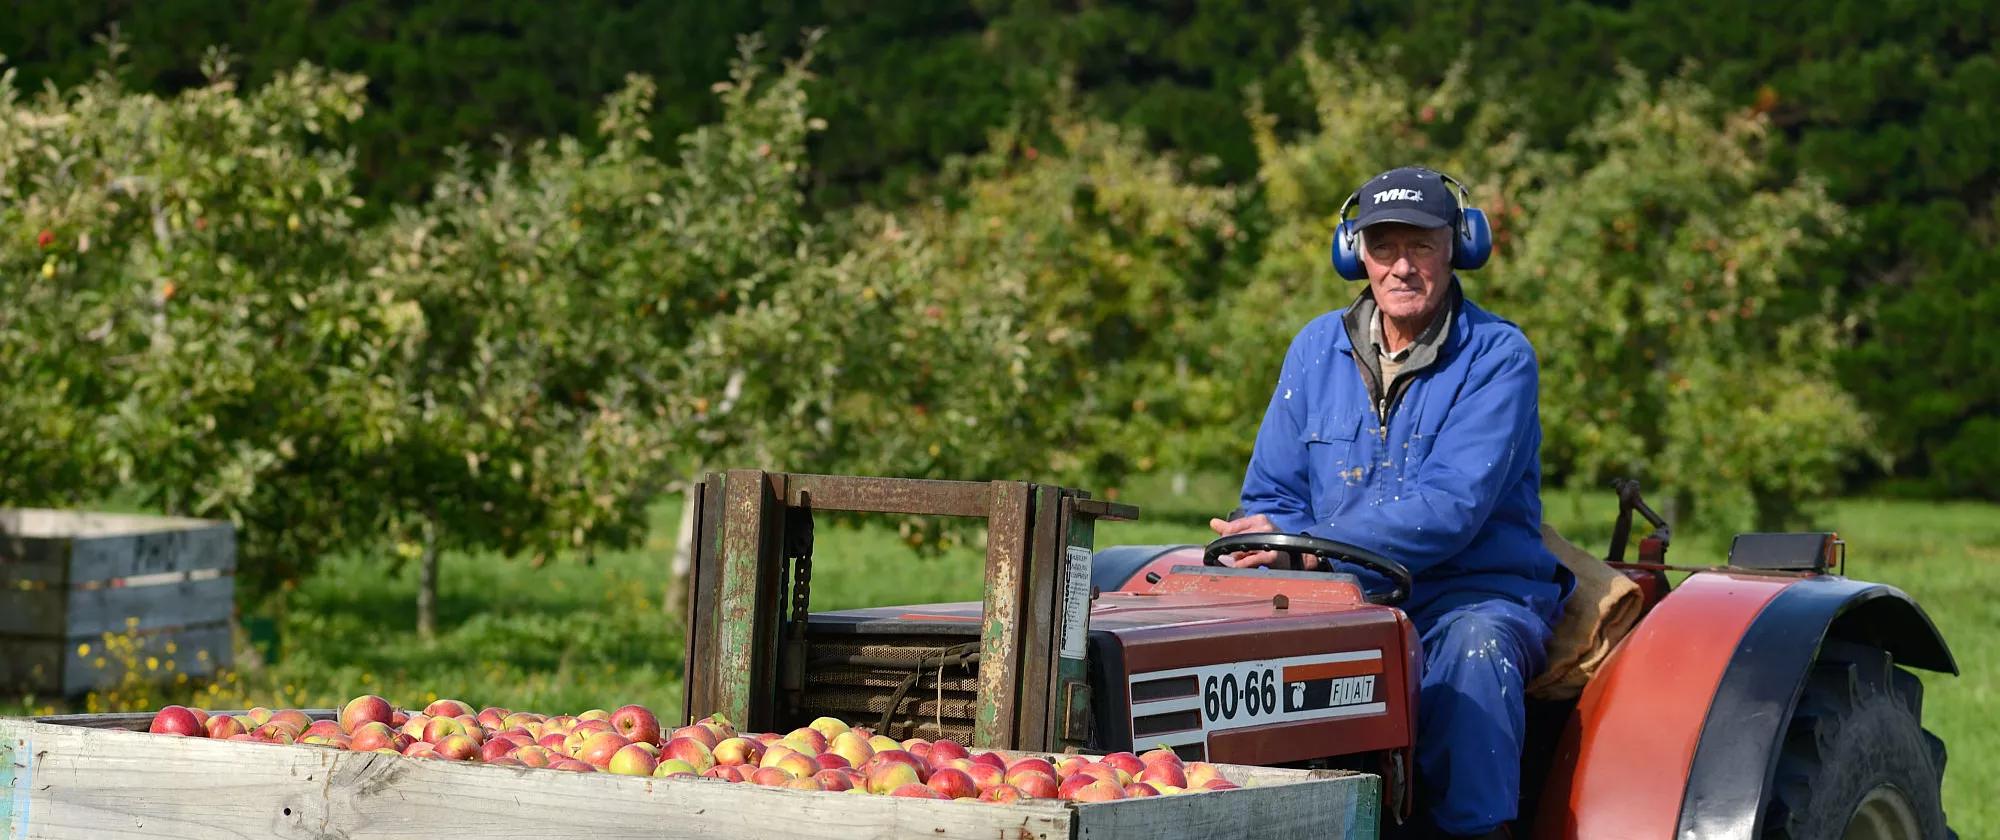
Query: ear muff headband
{"type": "Point", "coordinates": [1472, 238]}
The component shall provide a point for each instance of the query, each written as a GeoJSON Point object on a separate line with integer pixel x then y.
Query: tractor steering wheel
{"type": "Point", "coordinates": [1293, 545]}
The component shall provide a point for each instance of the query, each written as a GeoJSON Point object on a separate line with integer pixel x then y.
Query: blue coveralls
{"type": "Point", "coordinates": [1449, 486]}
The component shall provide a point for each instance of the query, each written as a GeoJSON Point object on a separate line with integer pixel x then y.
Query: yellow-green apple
{"type": "Point", "coordinates": [831, 727]}
{"type": "Point", "coordinates": [1166, 790]}
{"type": "Point", "coordinates": [276, 733]}
{"type": "Point", "coordinates": [1200, 773]}
{"type": "Point", "coordinates": [438, 728]}
{"type": "Point", "coordinates": [734, 751]}
{"type": "Point", "coordinates": [572, 765]}
{"type": "Point", "coordinates": [887, 776]}
{"type": "Point", "coordinates": [1138, 789]}
{"type": "Point", "coordinates": [917, 791]}
{"type": "Point", "coordinates": [884, 742]}
{"type": "Point", "coordinates": [457, 747]}
{"type": "Point", "coordinates": [414, 725]}
{"type": "Point", "coordinates": [774, 754]}
{"type": "Point", "coordinates": [373, 735]}
{"type": "Point", "coordinates": [521, 720]}
{"type": "Point", "coordinates": [245, 722]}
{"type": "Point", "coordinates": [834, 780]}
{"type": "Point", "coordinates": [946, 749]}
{"type": "Point", "coordinates": [1001, 793]}
{"type": "Point", "coordinates": [447, 708]}
{"type": "Point", "coordinates": [1164, 773]}
{"type": "Point", "coordinates": [258, 716]}
{"type": "Point", "coordinates": [769, 777]}
{"type": "Point", "coordinates": [722, 724]}
{"type": "Point", "coordinates": [694, 752]}
{"type": "Point", "coordinates": [798, 764]}
{"type": "Point", "coordinates": [953, 783]}
{"type": "Point", "coordinates": [803, 783]}
{"type": "Point", "coordinates": [851, 746]}
{"type": "Point", "coordinates": [1034, 783]}
{"type": "Point", "coordinates": [810, 737]}
{"type": "Point", "coordinates": [636, 723]}
{"type": "Point", "coordinates": [632, 760]}
{"type": "Point", "coordinates": [1101, 790]}
{"type": "Point", "coordinates": [221, 727]}
{"type": "Point", "coordinates": [595, 714]}
{"type": "Point", "coordinates": [699, 732]}
{"type": "Point", "coordinates": [674, 767]}
{"type": "Point", "coordinates": [598, 750]}
{"type": "Point", "coordinates": [368, 708]}
{"type": "Point", "coordinates": [559, 723]}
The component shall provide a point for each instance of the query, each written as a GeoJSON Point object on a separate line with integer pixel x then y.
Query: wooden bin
{"type": "Point", "coordinates": [82, 777]}
{"type": "Point", "coordinates": [163, 587]}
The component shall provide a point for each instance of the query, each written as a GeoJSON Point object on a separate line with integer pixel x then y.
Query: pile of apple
{"type": "Point", "coordinates": [826, 755]}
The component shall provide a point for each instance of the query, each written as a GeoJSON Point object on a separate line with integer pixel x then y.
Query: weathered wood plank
{"type": "Point", "coordinates": [58, 546]}
{"type": "Point", "coordinates": [1339, 808]}
{"type": "Point", "coordinates": [69, 783]}
{"type": "Point", "coordinates": [88, 613]}
{"type": "Point", "coordinates": [71, 666]}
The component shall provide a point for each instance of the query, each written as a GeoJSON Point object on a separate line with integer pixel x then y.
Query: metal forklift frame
{"type": "Point", "coordinates": [753, 526]}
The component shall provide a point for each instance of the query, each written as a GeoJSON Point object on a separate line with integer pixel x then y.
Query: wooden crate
{"type": "Point", "coordinates": [85, 778]}
{"type": "Point", "coordinates": [164, 585]}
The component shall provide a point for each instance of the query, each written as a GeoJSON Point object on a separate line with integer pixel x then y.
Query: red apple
{"type": "Point", "coordinates": [1071, 784]}
{"type": "Point", "coordinates": [992, 758]}
{"type": "Point", "coordinates": [447, 708]}
{"type": "Point", "coordinates": [1138, 789]}
{"type": "Point", "coordinates": [598, 750]}
{"type": "Point", "coordinates": [1160, 754]}
{"type": "Point", "coordinates": [945, 750]}
{"type": "Point", "coordinates": [733, 751]}
{"type": "Point", "coordinates": [832, 761]}
{"type": "Point", "coordinates": [694, 752]}
{"type": "Point", "coordinates": [372, 735]}
{"type": "Point", "coordinates": [834, 780]}
{"type": "Point", "coordinates": [595, 714]}
{"type": "Point", "coordinates": [1101, 790]}
{"type": "Point", "coordinates": [1109, 774]}
{"type": "Point", "coordinates": [1034, 783]}
{"type": "Point", "coordinates": [1200, 773]}
{"type": "Point", "coordinates": [367, 708]}
{"type": "Point", "coordinates": [506, 761]}
{"type": "Point", "coordinates": [725, 772]}
{"type": "Point", "coordinates": [293, 718]}
{"type": "Point", "coordinates": [492, 718]}
{"type": "Point", "coordinates": [439, 728]}
{"type": "Point", "coordinates": [953, 783]}
{"type": "Point", "coordinates": [472, 728]}
{"type": "Point", "coordinates": [535, 756]}
{"type": "Point", "coordinates": [851, 746]}
{"type": "Point", "coordinates": [985, 776]}
{"type": "Point", "coordinates": [222, 727]}
{"type": "Point", "coordinates": [496, 748]}
{"type": "Point", "coordinates": [810, 737]}
{"type": "Point", "coordinates": [917, 791]}
{"type": "Point", "coordinates": [632, 760]}
{"type": "Point", "coordinates": [572, 765]}
{"type": "Point", "coordinates": [918, 747]}
{"type": "Point", "coordinates": [420, 749]}
{"type": "Point", "coordinates": [1002, 793]}
{"type": "Point", "coordinates": [723, 728]}
{"type": "Point", "coordinates": [414, 725]}
{"type": "Point", "coordinates": [1070, 766]}
{"type": "Point", "coordinates": [1165, 774]}
{"type": "Point", "coordinates": [636, 723]}
{"type": "Point", "coordinates": [554, 741]}
{"type": "Point", "coordinates": [770, 777]}
{"type": "Point", "coordinates": [322, 728]}
{"type": "Point", "coordinates": [521, 720]}
{"type": "Point", "coordinates": [1219, 784]}
{"type": "Point", "coordinates": [699, 733]}
{"type": "Point", "coordinates": [798, 764]}
{"type": "Point", "coordinates": [459, 747]}
{"type": "Point", "coordinates": [1124, 761]}
{"type": "Point", "coordinates": [1030, 763]}
{"type": "Point", "coordinates": [803, 783]}
{"type": "Point", "coordinates": [275, 733]}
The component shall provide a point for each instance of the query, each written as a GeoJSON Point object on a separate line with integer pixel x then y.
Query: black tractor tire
{"type": "Point", "coordinates": [1857, 762]}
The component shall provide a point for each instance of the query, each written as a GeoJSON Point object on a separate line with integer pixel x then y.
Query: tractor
{"type": "Point", "coordinates": [1766, 697]}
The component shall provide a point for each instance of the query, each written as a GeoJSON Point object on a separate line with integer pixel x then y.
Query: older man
{"type": "Point", "coordinates": [1407, 424]}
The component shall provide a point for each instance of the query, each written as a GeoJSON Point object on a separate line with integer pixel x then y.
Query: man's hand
{"type": "Point", "coordinates": [1258, 524]}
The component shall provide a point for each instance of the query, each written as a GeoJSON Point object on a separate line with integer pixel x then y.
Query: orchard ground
{"type": "Point", "coordinates": [570, 636]}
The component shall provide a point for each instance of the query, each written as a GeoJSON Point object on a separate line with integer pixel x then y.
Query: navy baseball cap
{"type": "Point", "coordinates": [1411, 195]}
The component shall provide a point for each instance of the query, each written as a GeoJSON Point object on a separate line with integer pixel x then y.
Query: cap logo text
{"type": "Point", "coordinates": [1399, 195]}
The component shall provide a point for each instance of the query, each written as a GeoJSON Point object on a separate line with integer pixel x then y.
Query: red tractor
{"type": "Point", "coordinates": [1764, 698]}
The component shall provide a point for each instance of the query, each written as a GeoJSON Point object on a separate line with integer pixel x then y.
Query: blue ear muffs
{"type": "Point", "coordinates": [1472, 247]}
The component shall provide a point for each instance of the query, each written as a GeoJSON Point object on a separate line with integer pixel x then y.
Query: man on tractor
{"type": "Point", "coordinates": [1408, 425]}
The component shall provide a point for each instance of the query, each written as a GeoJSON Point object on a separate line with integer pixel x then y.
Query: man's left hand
{"type": "Point", "coordinates": [1257, 524]}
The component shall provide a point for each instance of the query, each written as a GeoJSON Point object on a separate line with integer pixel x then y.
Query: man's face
{"type": "Point", "coordinates": [1409, 268]}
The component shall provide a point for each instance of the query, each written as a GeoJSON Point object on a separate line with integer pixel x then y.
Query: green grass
{"type": "Point", "coordinates": [570, 636]}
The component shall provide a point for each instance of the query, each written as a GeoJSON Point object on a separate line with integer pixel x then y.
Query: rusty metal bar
{"type": "Point", "coordinates": [1100, 509]}
{"type": "Point", "coordinates": [1040, 620]}
{"type": "Point", "coordinates": [699, 694]}
{"type": "Point", "coordinates": [863, 494]}
{"type": "Point", "coordinates": [1007, 533]}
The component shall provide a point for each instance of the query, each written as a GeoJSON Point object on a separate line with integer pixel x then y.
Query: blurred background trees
{"type": "Point", "coordinates": [445, 276]}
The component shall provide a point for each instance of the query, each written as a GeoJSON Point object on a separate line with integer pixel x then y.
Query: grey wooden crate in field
{"type": "Point", "coordinates": [162, 588]}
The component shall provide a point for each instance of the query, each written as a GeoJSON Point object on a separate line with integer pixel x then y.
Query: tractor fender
{"type": "Point", "coordinates": [1122, 568]}
{"type": "Point", "coordinates": [1679, 733]}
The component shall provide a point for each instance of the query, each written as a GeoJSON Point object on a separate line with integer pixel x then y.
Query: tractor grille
{"type": "Point", "coordinates": [858, 678]}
